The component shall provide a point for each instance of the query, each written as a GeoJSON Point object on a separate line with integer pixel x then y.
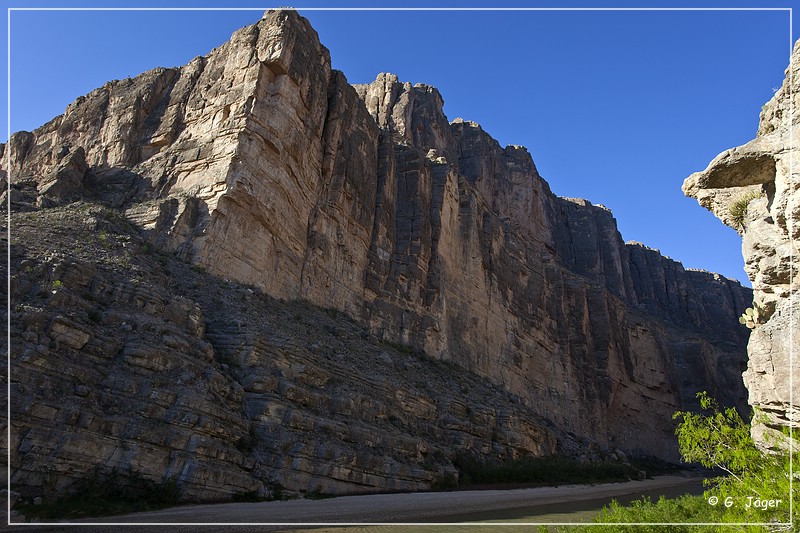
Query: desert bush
{"type": "Point", "coordinates": [108, 493]}
{"type": "Point", "coordinates": [402, 348]}
{"type": "Point", "coordinates": [539, 470]}
{"type": "Point", "coordinates": [719, 439]}
{"type": "Point", "coordinates": [738, 209]}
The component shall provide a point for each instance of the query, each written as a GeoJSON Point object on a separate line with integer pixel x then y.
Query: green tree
{"type": "Point", "coordinates": [754, 488]}
{"type": "Point", "coordinates": [720, 439]}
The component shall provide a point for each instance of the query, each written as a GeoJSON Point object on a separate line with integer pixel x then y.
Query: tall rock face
{"type": "Point", "coordinates": [477, 261]}
{"type": "Point", "coordinates": [261, 165]}
{"type": "Point", "coordinates": [754, 189]}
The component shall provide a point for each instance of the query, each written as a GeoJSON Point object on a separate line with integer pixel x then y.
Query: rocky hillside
{"type": "Point", "coordinates": [469, 308]}
{"type": "Point", "coordinates": [754, 189]}
{"type": "Point", "coordinates": [127, 357]}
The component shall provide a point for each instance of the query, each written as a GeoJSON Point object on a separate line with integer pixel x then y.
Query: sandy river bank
{"type": "Point", "coordinates": [539, 504]}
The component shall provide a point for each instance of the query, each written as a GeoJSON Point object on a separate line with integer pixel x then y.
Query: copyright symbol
{"type": "Point", "coordinates": [713, 500]}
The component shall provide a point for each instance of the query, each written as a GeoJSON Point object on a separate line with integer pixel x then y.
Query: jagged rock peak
{"type": "Point", "coordinates": [412, 114]}
{"type": "Point", "coordinates": [291, 25]}
{"type": "Point", "coordinates": [469, 123]}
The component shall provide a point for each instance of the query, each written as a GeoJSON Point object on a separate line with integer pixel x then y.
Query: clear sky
{"type": "Point", "coordinates": [615, 106]}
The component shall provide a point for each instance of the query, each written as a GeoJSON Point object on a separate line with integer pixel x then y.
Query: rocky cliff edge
{"type": "Point", "coordinates": [753, 188]}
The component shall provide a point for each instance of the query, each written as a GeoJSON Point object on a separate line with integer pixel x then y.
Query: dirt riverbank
{"type": "Point", "coordinates": [359, 511]}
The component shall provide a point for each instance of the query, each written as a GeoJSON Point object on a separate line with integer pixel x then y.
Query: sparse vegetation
{"type": "Point", "coordinates": [738, 209]}
{"type": "Point", "coordinates": [249, 496]}
{"type": "Point", "coordinates": [274, 492]}
{"type": "Point", "coordinates": [752, 316]}
{"type": "Point", "coordinates": [553, 470]}
{"type": "Point", "coordinates": [445, 482]}
{"type": "Point", "coordinates": [402, 348]}
{"type": "Point", "coordinates": [104, 494]}
{"type": "Point", "coordinates": [317, 494]}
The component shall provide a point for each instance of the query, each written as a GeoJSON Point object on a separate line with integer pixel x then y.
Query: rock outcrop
{"type": "Point", "coordinates": [753, 188]}
{"type": "Point", "coordinates": [259, 164]}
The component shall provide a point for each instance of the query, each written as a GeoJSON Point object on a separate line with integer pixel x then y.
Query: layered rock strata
{"type": "Point", "coordinates": [125, 358]}
{"type": "Point", "coordinates": [260, 164]}
{"type": "Point", "coordinates": [753, 188]}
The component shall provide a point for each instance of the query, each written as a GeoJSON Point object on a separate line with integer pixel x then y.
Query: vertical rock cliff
{"type": "Point", "coordinates": [536, 292]}
{"type": "Point", "coordinates": [753, 188]}
{"type": "Point", "coordinates": [259, 164]}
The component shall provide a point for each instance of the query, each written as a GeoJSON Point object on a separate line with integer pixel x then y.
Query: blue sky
{"type": "Point", "coordinates": [615, 106]}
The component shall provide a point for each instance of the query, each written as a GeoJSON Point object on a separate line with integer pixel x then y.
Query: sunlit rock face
{"type": "Point", "coordinates": [260, 165]}
{"type": "Point", "coordinates": [753, 188]}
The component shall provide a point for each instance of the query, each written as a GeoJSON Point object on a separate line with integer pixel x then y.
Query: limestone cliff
{"type": "Point", "coordinates": [259, 164]}
{"type": "Point", "coordinates": [753, 188]}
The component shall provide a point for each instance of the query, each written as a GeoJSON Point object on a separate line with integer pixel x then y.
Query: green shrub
{"type": "Point", "coordinates": [103, 494]}
{"type": "Point", "coordinates": [250, 496]}
{"type": "Point", "coordinates": [317, 494]}
{"type": "Point", "coordinates": [738, 209]}
{"type": "Point", "coordinates": [718, 439]}
{"type": "Point", "coordinates": [539, 471]}
{"type": "Point", "coordinates": [445, 482]}
{"type": "Point", "coordinates": [665, 515]}
{"type": "Point", "coordinates": [722, 440]}
{"type": "Point", "coordinates": [402, 348]}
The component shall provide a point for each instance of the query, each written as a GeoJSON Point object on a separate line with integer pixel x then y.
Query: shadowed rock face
{"type": "Point", "coordinates": [760, 176]}
{"type": "Point", "coordinates": [260, 164]}
{"type": "Point", "coordinates": [127, 358]}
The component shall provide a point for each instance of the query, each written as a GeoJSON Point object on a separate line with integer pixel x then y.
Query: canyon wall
{"type": "Point", "coordinates": [753, 188]}
{"type": "Point", "coordinates": [261, 165]}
